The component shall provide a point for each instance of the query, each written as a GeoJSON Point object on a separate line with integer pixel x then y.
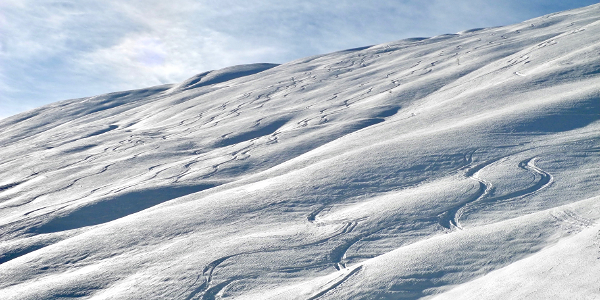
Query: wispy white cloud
{"type": "Point", "coordinates": [58, 49]}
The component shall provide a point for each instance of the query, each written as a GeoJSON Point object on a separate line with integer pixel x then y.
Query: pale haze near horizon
{"type": "Point", "coordinates": [56, 50]}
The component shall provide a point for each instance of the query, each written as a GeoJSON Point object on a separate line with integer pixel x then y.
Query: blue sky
{"type": "Point", "coordinates": [53, 50]}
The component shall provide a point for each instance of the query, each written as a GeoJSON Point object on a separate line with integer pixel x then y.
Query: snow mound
{"type": "Point", "coordinates": [222, 75]}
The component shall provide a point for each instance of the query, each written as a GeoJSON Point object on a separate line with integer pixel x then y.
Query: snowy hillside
{"type": "Point", "coordinates": [462, 166]}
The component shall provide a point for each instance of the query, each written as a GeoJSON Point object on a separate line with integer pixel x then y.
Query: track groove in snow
{"type": "Point", "coordinates": [336, 283]}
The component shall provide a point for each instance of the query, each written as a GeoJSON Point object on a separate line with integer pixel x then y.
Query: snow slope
{"type": "Point", "coordinates": [462, 166]}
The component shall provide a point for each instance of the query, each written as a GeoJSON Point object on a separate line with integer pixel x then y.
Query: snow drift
{"type": "Point", "coordinates": [462, 166]}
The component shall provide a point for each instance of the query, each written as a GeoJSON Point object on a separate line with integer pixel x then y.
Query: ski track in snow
{"type": "Point", "coordinates": [394, 171]}
{"type": "Point", "coordinates": [451, 218]}
{"type": "Point", "coordinates": [206, 290]}
{"type": "Point", "coordinates": [336, 283]}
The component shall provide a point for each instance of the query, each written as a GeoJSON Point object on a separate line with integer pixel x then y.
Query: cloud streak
{"type": "Point", "coordinates": [52, 50]}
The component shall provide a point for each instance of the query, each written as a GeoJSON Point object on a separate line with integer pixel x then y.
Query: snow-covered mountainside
{"type": "Point", "coordinates": [462, 166]}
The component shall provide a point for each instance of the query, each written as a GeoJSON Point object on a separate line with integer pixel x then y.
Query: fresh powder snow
{"type": "Point", "coordinates": [461, 166]}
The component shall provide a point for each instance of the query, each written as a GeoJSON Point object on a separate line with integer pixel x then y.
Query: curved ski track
{"type": "Point", "coordinates": [450, 219]}
{"type": "Point", "coordinates": [208, 291]}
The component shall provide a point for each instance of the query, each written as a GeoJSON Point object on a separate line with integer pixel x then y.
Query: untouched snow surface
{"type": "Point", "coordinates": [463, 166]}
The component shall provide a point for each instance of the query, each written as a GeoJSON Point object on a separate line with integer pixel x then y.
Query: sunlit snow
{"type": "Point", "coordinates": [462, 166]}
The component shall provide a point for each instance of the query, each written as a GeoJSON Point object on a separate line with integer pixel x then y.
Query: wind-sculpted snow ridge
{"type": "Point", "coordinates": [462, 166]}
